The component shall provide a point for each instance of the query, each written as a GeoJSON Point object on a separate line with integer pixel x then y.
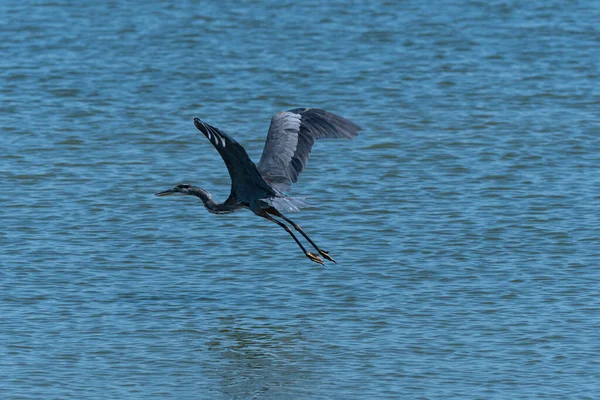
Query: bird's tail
{"type": "Point", "coordinates": [285, 204]}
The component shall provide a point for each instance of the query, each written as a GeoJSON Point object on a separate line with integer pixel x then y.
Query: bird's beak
{"type": "Point", "coordinates": [165, 193]}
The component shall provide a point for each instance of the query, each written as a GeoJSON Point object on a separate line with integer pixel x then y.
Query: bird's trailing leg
{"type": "Point", "coordinates": [324, 253]}
{"type": "Point", "coordinates": [311, 256]}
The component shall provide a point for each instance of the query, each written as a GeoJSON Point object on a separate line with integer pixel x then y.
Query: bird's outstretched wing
{"type": "Point", "coordinates": [246, 180]}
{"type": "Point", "coordinates": [290, 139]}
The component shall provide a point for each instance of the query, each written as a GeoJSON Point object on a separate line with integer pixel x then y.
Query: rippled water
{"type": "Point", "coordinates": [464, 217]}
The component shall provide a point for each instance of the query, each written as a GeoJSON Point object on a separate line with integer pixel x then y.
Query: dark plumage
{"type": "Point", "coordinates": [261, 187]}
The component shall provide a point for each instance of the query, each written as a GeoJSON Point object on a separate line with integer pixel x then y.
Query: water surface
{"type": "Point", "coordinates": [464, 217]}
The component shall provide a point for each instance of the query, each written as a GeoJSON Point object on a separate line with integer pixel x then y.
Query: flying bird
{"type": "Point", "coordinates": [261, 187]}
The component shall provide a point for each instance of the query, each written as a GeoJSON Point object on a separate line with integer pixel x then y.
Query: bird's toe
{"type": "Point", "coordinates": [326, 255]}
{"type": "Point", "coordinates": [315, 258]}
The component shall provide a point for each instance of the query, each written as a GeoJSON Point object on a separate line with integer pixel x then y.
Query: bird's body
{"type": "Point", "coordinates": [261, 187]}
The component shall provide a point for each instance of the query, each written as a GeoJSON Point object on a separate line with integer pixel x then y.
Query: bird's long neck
{"type": "Point", "coordinates": [209, 203]}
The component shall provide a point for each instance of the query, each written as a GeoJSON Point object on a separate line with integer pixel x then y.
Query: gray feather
{"type": "Point", "coordinates": [290, 140]}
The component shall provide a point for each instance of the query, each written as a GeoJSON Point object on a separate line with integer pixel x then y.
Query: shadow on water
{"type": "Point", "coordinates": [260, 361]}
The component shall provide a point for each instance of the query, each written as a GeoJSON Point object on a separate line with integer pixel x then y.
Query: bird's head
{"type": "Point", "coordinates": [181, 189]}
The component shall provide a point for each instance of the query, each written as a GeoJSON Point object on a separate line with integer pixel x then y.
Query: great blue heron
{"type": "Point", "coordinates": [261, 187]}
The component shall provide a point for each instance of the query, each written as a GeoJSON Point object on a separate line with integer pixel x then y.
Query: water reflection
{"type": "Point", "coordinates": [255, 361]}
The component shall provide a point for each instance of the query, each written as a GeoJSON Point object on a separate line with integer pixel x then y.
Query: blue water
{"type": "Point", "coordinates": [464, 217]}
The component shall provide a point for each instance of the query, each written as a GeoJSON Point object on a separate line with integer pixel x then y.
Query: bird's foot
{"type": "Point", "coordinates": [314, 257]}
{"type": "Point", "coordinates": [326, 255]}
